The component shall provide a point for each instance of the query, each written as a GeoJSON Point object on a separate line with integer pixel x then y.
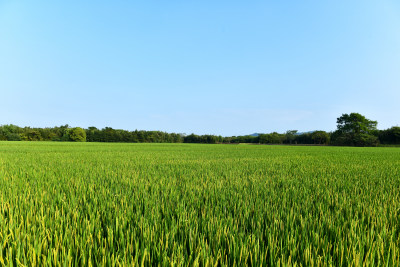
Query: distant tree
{"type": "Point", "coordinates": [141, 136]}
{"type": "Point", "coordinates": [192, 138]}
{"type": "Point", "coordinates": [48, 134]}
{"type": "Point", "coordinates": [61, 133]}
{"type": "Point", "coordinates": [290, 136]}
{"type": "Point", "coordinates": [210, 139]}
{"type": "Point", "coordinates": [77, 134]}
{"type": "Point", "coordinates": [355, 123]}
{"type": "Point", "coordinates": [13, 137]}
{"type": "Point", "coordinates": [320, 137]}
{"type": "Point", "coordinates": [271, 138]}
{"type": "Point", "coordinates": [91, 134]}
{"type": "Point", "coordinates": [304, 138]}
{"type": "Point", "coordinates": [263, 138]}
{"type": "Point", "coordinates": [10, 132]}
{"type": "Point", "coordinates": [32, 135]}
{"type": "Point", "coordinates": [355, 130]}
{"type": "Point", "coordinates": [176, 138]}
{"type": "Point", "coordinates": [390, 136]}
{"type": "Point", "coordinates": [227, 140]}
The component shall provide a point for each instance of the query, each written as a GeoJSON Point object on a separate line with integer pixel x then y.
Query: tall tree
{"type": "Point", "coordinates": [355, 130]}
{"type": "Point", "coordinates": [355, 123]}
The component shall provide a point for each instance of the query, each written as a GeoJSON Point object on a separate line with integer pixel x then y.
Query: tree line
{"type": "Point", "coordinates": [352, 130]}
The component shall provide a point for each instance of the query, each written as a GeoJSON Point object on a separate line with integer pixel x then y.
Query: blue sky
{"type": "Point", "coordinates": [208, 67]}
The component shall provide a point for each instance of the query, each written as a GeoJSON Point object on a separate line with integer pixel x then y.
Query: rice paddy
{"type": "Point", "coordinates": [99, 204]}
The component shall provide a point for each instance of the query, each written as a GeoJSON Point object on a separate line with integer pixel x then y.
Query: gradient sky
{"type": "Point", "coordinates": [208, 67]}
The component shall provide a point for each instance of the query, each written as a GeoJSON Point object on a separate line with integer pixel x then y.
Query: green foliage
{"type": "Point", "coordinates": [13, 137]}
{"type": "Point", "coordinates": [320, 137]}
{"type": "Point", "coordinates": [77, 134]}
{"type": "Point", "coordinates": [355, 130]}
{"type": "Point", "coordinates": [204, 139]}
{"type": "Point", "coordinates": [364, 139]}
{"type": "Point", "coordinates": [108, 134]}
{"type": "Point", "coordinates": [272, 138]}
{"type": "Point", "coordinates": [355, 123]}
{"type": "Point", "coordinates": [390, 136]}
{"type": "Point", "coordinates": [92, 204]}
{"type": "Point", "coordinates": [32, 135]}
{"type": "Point", "coordinates": [304, 138]}
{"type": "Point", "coordinates": [10, 132]}
{"type": "Point", "coordinates": [290, 136]}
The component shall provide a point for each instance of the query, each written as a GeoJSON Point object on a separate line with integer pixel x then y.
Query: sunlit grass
{"type": "Point", "coordinates": [163, 204]}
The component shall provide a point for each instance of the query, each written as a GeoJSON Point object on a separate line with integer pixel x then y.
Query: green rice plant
{"type": "Point", "coordinates": [91, 204]}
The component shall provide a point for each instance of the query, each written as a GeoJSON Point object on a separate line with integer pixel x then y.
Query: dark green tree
{"type": "Point", "coordinates": [290, 136]}
{"type": "Point", "coordinates": [390, 136]}
{"type": "Point", "coordinates": [320, 137]}
{"type": "Point", "coordinates": [355, 123]}
{"type": "Point", "coordinates": [304, 138]}
{"type": "Point", "coordinates": [355, 130]}
{"type": "Point", "coordinates": [10, 132]}
{"type": "Point", "coordinates": [272, 138]}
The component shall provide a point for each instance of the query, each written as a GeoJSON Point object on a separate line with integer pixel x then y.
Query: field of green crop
{"type": "Point", "coordinates": [65, 204]}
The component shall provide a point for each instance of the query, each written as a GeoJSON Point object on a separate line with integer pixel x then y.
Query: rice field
{"type": "Point", "coordinates": [99, 204]}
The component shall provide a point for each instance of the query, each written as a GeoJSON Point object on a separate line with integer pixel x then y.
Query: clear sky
{"type": "Point", "coordinates": [208, 67]}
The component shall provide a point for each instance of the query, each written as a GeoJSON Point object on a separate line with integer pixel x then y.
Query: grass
{"type": "Point", "coordinates": [65, 204]}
